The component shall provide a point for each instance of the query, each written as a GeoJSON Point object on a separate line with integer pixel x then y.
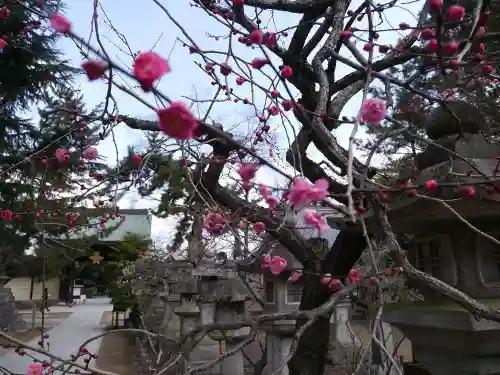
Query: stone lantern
{"type": "Point", "coordinates": [210, 277]}
{"type": "Point", "coordinates": [445, 338]}
{"type": "Point", "coordinates": [230, 297]}
{"type": "Point", "coordinates": [188, 311]}
{"type": "Point", "coordinates": [280, 295]}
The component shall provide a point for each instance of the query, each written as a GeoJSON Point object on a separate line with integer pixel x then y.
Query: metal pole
{"type": "Point", "coordinates": [33, 317]}
{"type": "Point", "coordinates": [42, 339]}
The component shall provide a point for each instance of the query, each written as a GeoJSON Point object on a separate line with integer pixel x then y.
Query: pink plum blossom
{"type": "Point", "coordinates": [247, 185]}
{"type": "Point", "coordinates": [215, 223]}
{"type": "Point", "coordinates": [259, 227]}
{"type": "Point", "coordinates": [247, 171]}
{"type": "Point", "coordinates": [295, 276]}
{"type": "Point", "coordinates": [373, 111]}
{"type": "Point", "coordinates": [61, 155]}
{"type": "Point", "coordinates": [150, 67]}
{"type": "Point", "coordinates": [303, 193]}
{"type": "Point", "coordinates": [35, 369]}
{"type": "Point", "coordinates": [312, 217]}
{"type": "Point", "coordinates": [6, 215]}
{"type": "Point", "coordinates": [60, 23]}
{"type": "Point", "coordinates": [264, 190]}
{"type": "Point", "coordinates": [73, 216]}
{"type": "Point", "coordinates": [319, 190]}
{"type": "Point", "coordinates": [90, 153]}
{"type": "Point", "coordinates": [177, 121]}
{"type": "Point", "coordinates": [277, 265]}
{"type": "Point", "coordinates": [354, 276]}
{"type": "Point", "coordinates": [272, 201]}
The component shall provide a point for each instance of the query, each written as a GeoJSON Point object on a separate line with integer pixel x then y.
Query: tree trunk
{"type": "Point", "coordinates": [310, 358]}
{"type": "Point", "coordinates": [311, 355]}
{"type": "Point", "coordinates": [195, 248]}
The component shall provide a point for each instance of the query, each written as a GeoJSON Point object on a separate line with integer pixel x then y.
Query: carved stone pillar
{"type": "Point", "coordinates": [207, 312]}
{"type": "Point", "coordinates": [279, 338]}
{"type": "Point", "coordinates": [380, 364]}
{"type": "Point", "coordinates": [344, 345]}
{"type": "Point", "coordinates": [230, 311]}
{"type": "Point", "coordinates": [189, 313]}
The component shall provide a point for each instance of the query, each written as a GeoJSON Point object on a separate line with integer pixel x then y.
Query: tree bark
{"type": "Point", "coordinates": [310, 358]}
{"type": "Point", "coordinates": [312, 351]}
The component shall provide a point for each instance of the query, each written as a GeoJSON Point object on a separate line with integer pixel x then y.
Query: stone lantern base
{"type": "Point", "coordinates": [9, 318]}
{"type": "Point", "coordinates": [279, 338]}
{"type": "Point", "coordinates": [447, 339]}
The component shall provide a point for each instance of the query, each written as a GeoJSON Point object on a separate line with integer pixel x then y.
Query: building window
{"type": "Point", "coordinates": [489, 259]}
{"type": "Point", "coordinates": [428, 257]}
{"type": "Point", "coordinates": [293, 294]}
{"type": "Point", "coordinates": [270, 292]}
{"type": "Point", "coordinates": [433, 255]}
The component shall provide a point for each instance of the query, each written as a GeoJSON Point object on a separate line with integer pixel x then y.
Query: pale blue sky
{"type": "Point", "coordinates": [146, 26]}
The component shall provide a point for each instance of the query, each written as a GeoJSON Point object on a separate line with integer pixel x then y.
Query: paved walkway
{"type": "Point", "coordinates": [66, 338]}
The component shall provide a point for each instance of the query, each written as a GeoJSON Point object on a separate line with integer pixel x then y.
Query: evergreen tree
{"type": "Point", "coordinates": [39, 190]}
{"type": "Point", "coordinates": [33, 181]}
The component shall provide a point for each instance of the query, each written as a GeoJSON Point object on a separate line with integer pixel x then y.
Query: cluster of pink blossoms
{"type": "Point", "coordinates": [277, 265]}
{"type": "Point", "coordinates": [216, 223]}
{"type": "Point", "coordinates": [62, 155]}
{"type": "Point", "coordinates": [178, 122]}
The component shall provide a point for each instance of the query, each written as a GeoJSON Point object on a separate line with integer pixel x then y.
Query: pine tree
{"type": "Point", "coordinates": [41, 189]}
{"type": "Point", "coordinates": [33, 181]}
{"type": "Point", "coordinates": [30, 65]}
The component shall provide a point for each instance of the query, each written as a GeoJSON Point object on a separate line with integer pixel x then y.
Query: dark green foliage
{"type": "Point", "coordinates": [32, 74]}
{"type": "Point", "coordinates": [30, 65]}
{"type": "Point", "coordinates": [171, 174]}
{"type": "Point", "coordinates": [181, 231]}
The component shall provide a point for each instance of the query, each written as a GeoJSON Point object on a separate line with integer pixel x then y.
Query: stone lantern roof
{"type": "Point", "coordinates": [271, 247]}
{"type": "Point", "coordinates": [475, 160]}
{"type": "Point", "coordinates": [219, 283]}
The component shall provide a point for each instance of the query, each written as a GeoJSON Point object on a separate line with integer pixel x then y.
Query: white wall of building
{"type": "Point", "coordinates": [20, 287]}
